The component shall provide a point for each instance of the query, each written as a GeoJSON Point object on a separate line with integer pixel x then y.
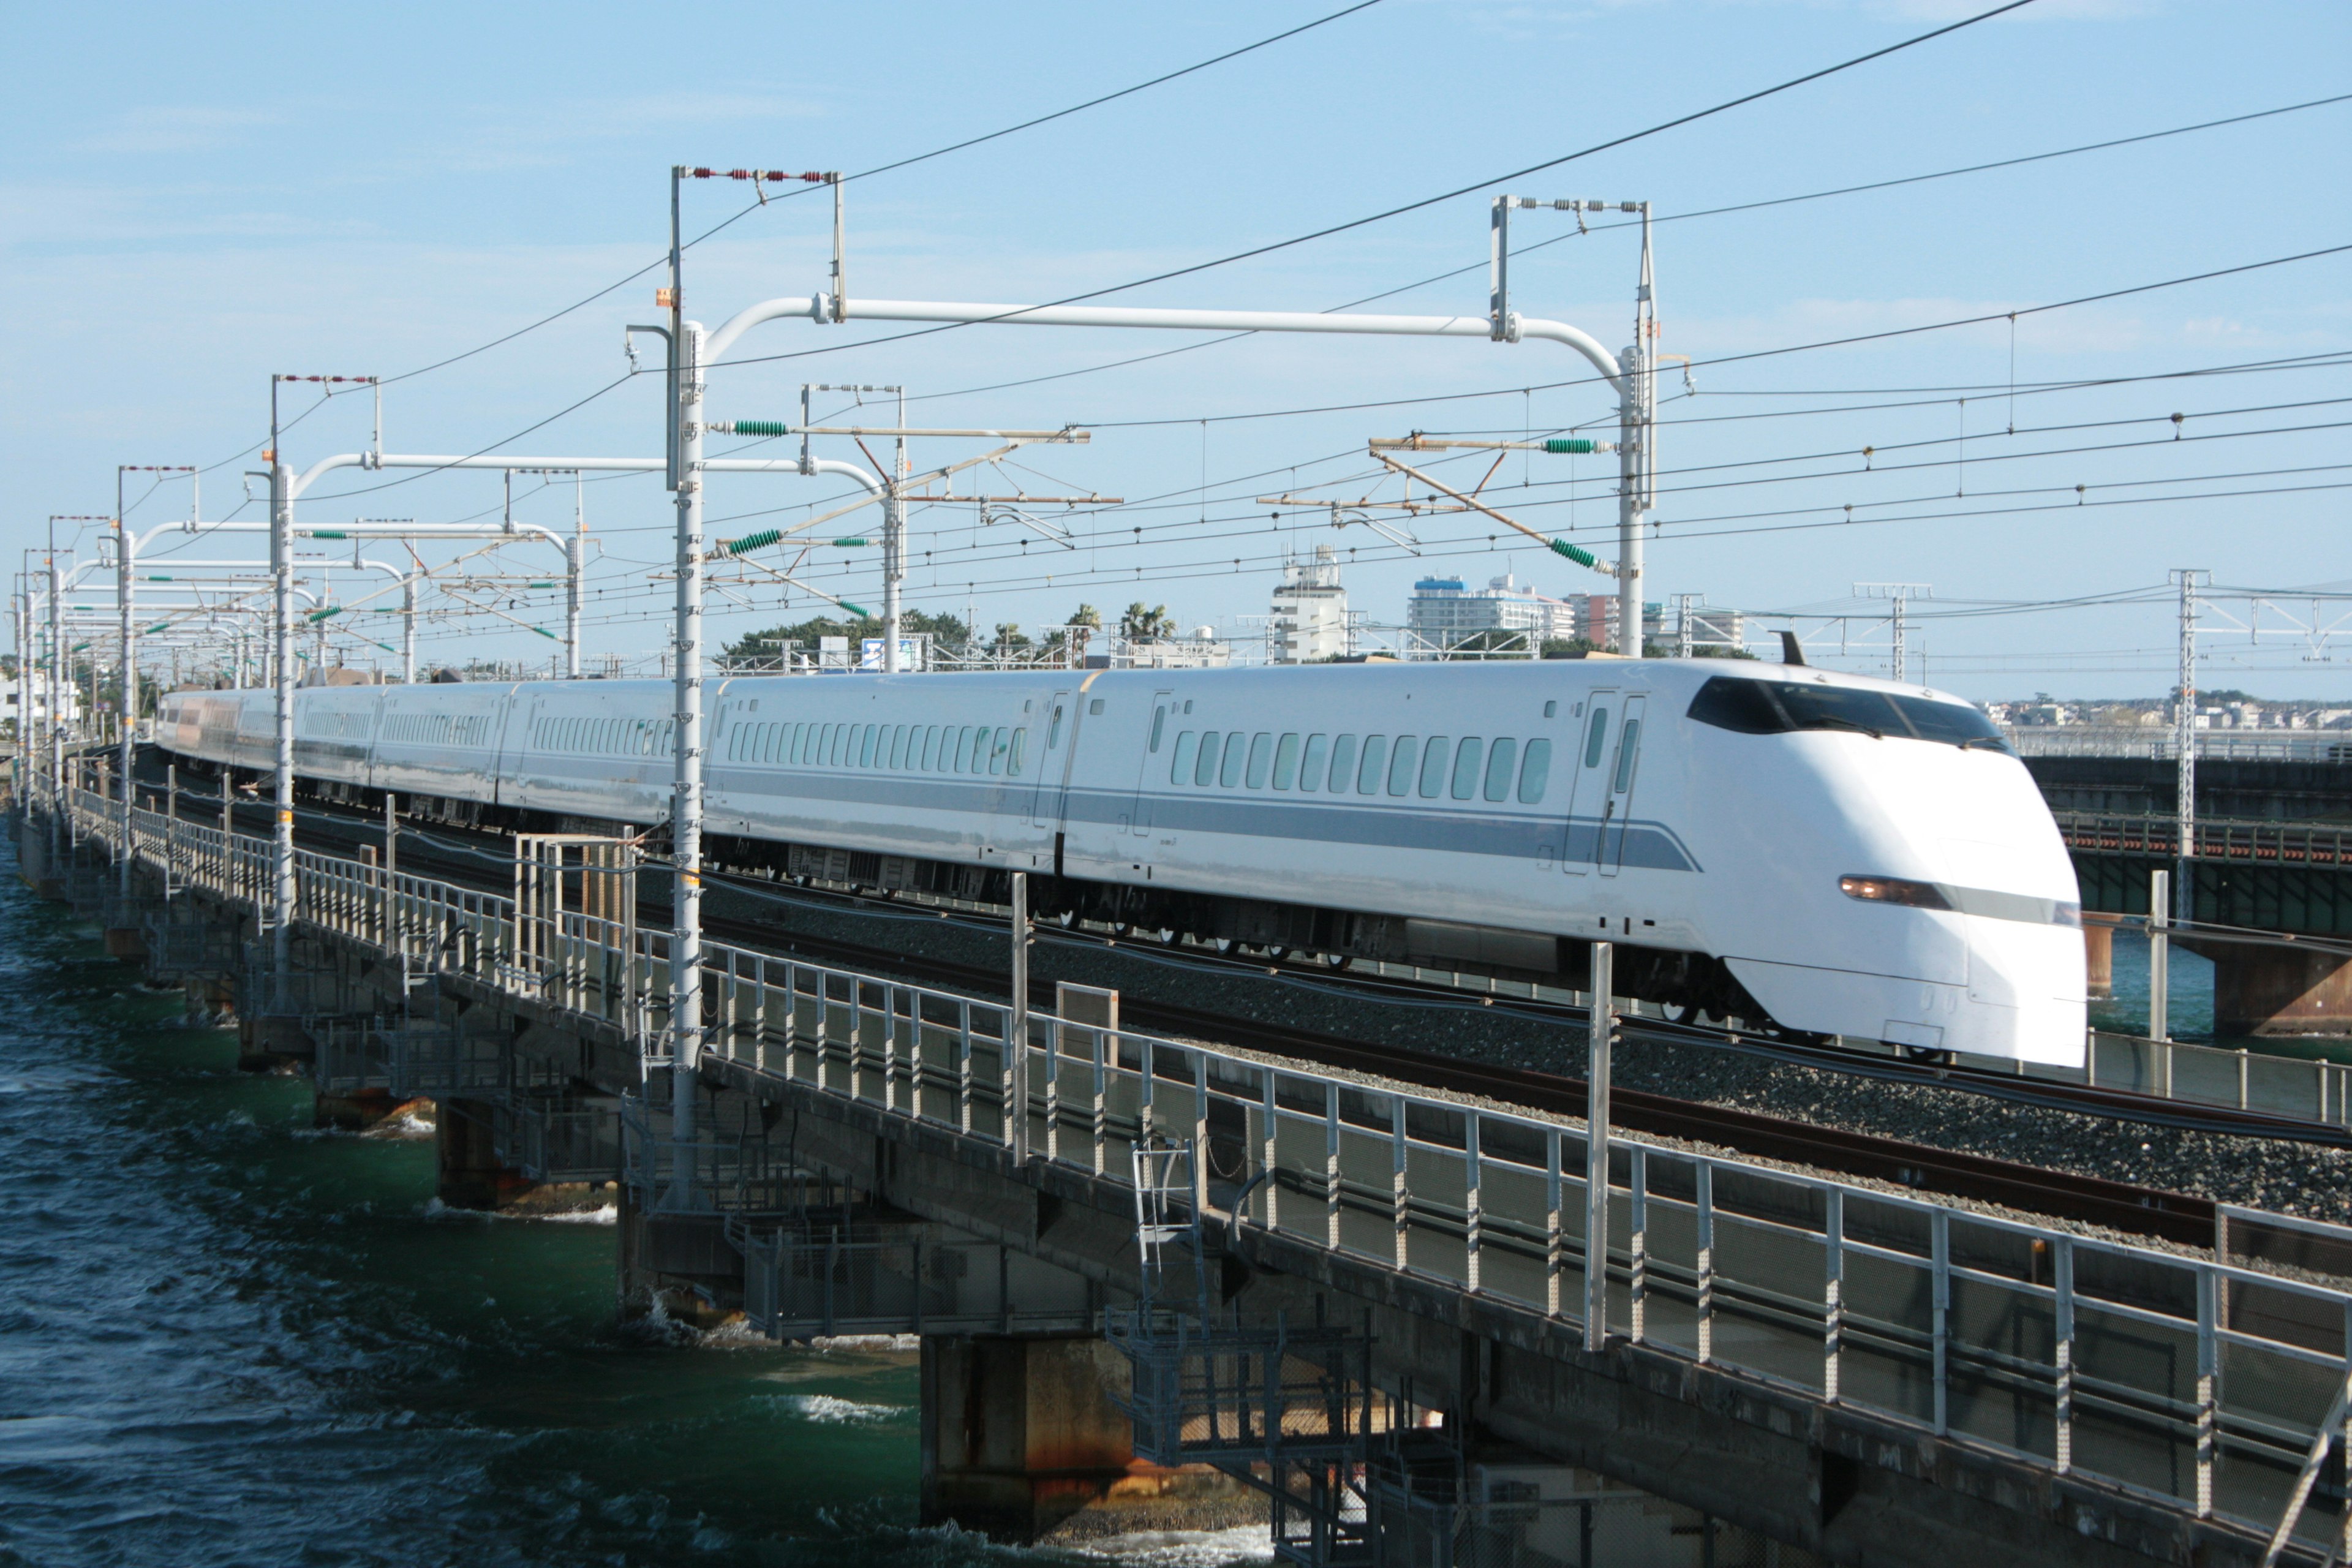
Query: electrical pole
{"type": "Point", "coordinates": [281, 674]}
{"type": "Point", "coordinates": [686, 795]}
{"type": "Point", "coordinates": [1901, 594]}
{"type": "Point", "coordinates": [2184, 744]}
{"type": "Point", "coordinates": [1601, 1032]}
{"type": "Point", "coordinates": [1637, 463]}
{"type": "Point", "coordinates": [1683, 642]}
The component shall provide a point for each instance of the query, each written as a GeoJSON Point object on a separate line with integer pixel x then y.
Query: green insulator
{"type": "Point", "coordinates": [860, 611]}
{"type": "Point", "coordinates": [330, 611]}
{"type": "Point", "coordinates": [851, 544]}
{"type": "Point", "coordinates": [327, 534]}
{"type": "Point", "coordinates": [1568, 446]}
{"type": "Point", "coordinates": [158, 627]}
{"type": "Point", "coordinates": [1582, 557]}
{"type": "Point", "coordinates": [752, 542]}
{"type": "Point", "coordinates": [539, 585]}
{"type": "Point", "coordinates": [761, 427]}
{"type": "Point", "coordinates": [547, 634]}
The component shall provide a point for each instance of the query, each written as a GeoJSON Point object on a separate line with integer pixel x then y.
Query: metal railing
{"type": "Point", "coordinates": [2203, 1384]}
{"type": "Point", "coordinates": [2253, 839]}
{"type": "Point", "coordinates": [2223, 745]}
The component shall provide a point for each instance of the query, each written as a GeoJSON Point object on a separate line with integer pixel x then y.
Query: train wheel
{"type": "Point", "coordinates": [1927, 1056]}
{"type": "Point", "coordinates": [1276, 955]}
{"type": "Point", "coordinates": [1336, 960]}
{"type": "Point", "coordinates": [1223, 944]}
{"type": "Point", "coordinates": [1120, 928]}
{"type": "Point", "coordinates": [1167, 936]}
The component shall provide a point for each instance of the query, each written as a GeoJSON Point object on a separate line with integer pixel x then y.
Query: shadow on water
{"type": "Point", "coordinates": [227, 1339]}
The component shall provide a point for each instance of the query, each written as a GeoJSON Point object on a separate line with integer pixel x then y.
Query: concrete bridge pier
{"type": "Point", "coordinates": [2278, 990]}
{"type": "Point", "coordinates": [1019, 1432]}
{"type": "Point", "coordinates": [2099, 954]}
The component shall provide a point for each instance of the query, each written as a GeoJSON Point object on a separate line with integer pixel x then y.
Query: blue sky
{"type": "Point", "coordinates": [191, 198]}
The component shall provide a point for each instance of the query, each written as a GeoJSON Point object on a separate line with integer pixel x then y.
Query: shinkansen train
{"type": "Point", "coordinates": [1819, 852]}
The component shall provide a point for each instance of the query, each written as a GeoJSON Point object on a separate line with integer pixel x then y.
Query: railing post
{"type": "Point", "coordinates": [1704, 1174]}
{"type": "Point", "coordinates": [1833, 1292]}
{"type": "Point", "coordinates": [1555, 1238]}
{"type": "Point", "coordinates": [2159, 965]}
{"type": "Point", "coordinates": [1942, 1265]}
{"type": "Point", "coordinates": [1332, 1171]}
{"type": "Point", "coordinates": [1472, 1215]}
{"type": "Point", "coordinates": [1601, 1030]}
{"type": "Point", "coordinates": [2208, 1387]}
{"type": "Point", "coordinates": [2062, 1264]}
{"type": "Point", "coordinates": [1638, 1240]}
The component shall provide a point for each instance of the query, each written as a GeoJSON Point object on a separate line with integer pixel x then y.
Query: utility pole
{"type": "Point", "coordinates": [686, 793]}
{"type": "Point", "coordinates": [1901, 594]}
{"type": "Point", "coordinates": [2184, 745]}
{"type": "Point", "coordinates": [1601, 1031]}
{"type": "Point", "coordinates": [281, 676]}
{"type": "Point", "coordinates": [1637, 408]}
{"type": "Point", "coordinates": [1683, 642]}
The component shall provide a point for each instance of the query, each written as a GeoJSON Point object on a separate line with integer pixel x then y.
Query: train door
{"type": "Point", "coordinates": [1053, 763]}
{"type": "Point", "coordinates": [1587, 786]}
{"type": "Point", "coordinates": [1623, 764]}
{"type": "Point", "coordinates": [1157, 736]}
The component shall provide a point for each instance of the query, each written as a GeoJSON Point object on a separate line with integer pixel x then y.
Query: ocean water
{"type": "Point", "coordinates": [226, 1339]}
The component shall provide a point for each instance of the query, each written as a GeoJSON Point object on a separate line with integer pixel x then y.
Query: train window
{"type": "Point", "coordinates": [1500, 759]}
{"type": "Point", "coordinates": [1096, 706]}
{"type": "Point", "coordinates": [1403, 757]}
{"type": "Point", "coordinates": [1054, 731]}
{"type": "Point", "coordinates": [999, 752]}
{"type": "Point", "coordinates": [978, 763]}
{"type": "Point", "coordinates": [1432, 767]}
{"type": "Point", "coordinates": [1187, 742]}
{"type": "Point", "coordinates": [898, 747]}
{"type": "Point", "coordinates": [1020, 749]}
{"type": "Point", "coordinates": [1534, 772]}
{"type": "Point", "coordinates": [1188, 705]}
{"type": "Point", "coordinates": [1261, 758]}
{"type": "Point", "coordinates": [1237, 753]}
{"type": "Point", "coordinates": [1158, 723]}
{"type": "Point", "coordinates": [844, 737]}
{"type": "Point", "coordinates": [1286, 761]}
{"type": "Point", "coordinates": [1551, 710]}
{"type": "Point", "coordinates": [1376, 761]}
{"type": "Point", "coordinates": [931, 746]}
{"type": "Point", "coordinates": [866, 746]}
{"type": "Point", "coordinates": [1629, 746]}
{"type": "Point", "coordinates": [1952, 721]}
{"type": "Point", "coordinates": [1466, 758]}
{"type": "Point", "coordinates": [1310, 766]}
{"type": "Point", "coordinates": [1596, 736]}
{"type": "Point", "coordinates": [1206, 769]}
{"type": "Point", "coordinates": [780, 737]}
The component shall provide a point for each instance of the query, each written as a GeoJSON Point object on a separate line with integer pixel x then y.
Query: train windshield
{"type": "Point", "coordinates": [1776, 707]}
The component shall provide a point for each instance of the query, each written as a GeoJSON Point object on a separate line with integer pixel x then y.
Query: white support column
{"type": "Point", "coordinates": [1601, 1031]}
{"type": "Point", "coordinates": [126, 550]}
{"type": "Point", "coordinates": [574, 559]}
{"type": "Point", "coordinates": [686, 795]}
{"type": "Point", "coordinates": [281, 674]}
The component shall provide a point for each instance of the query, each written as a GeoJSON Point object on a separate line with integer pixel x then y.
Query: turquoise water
{"type": "Point", "coordinates": [225, 1339]}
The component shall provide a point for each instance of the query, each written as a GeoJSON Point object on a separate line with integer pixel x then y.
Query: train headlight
{"type": "Point", "coordinates": [1893, 890]}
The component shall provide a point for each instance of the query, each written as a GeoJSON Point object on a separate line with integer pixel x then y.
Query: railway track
{"type": "Point", "coordinates": [2116, 1206]}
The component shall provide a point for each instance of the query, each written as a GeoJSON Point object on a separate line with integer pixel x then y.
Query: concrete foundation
{"type": "Point", "coordinates": [470, 1176]}
{"type": "Point", "coordinates": [2279, 990]}
{"type": "Point", "coordinates": [2099, 954]}
{"type": "Point", "coordinates": [1019, 1433]}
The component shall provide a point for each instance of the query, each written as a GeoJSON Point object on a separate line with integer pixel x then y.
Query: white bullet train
{"type": "Point", "coordinates": [1833, 854]}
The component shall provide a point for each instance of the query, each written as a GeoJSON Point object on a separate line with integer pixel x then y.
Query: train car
{"type": "Point", "coordinates": [1833, 854]}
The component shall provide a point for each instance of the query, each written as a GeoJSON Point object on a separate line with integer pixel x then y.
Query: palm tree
{"type": "Point", "coordinates": [1141, 624]}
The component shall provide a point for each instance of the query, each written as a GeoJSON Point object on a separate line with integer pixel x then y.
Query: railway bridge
{"type": "Point", "coordinates": [1363, 1295]}
{"type": "Point", "coordinates": [2270, 852]}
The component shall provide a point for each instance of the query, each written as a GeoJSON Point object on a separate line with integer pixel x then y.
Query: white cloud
{"type": "Point", "coordinates": [179, 128]}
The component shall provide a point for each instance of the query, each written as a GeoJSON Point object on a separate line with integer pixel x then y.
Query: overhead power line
{"type": "Point", "coordinates": [1324, 233]}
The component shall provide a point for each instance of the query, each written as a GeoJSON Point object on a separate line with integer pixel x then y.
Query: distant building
{"type": "Point", "coordinates": [1308, 622]}
{"type": "Point", "coordinates": [1443, 614]}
